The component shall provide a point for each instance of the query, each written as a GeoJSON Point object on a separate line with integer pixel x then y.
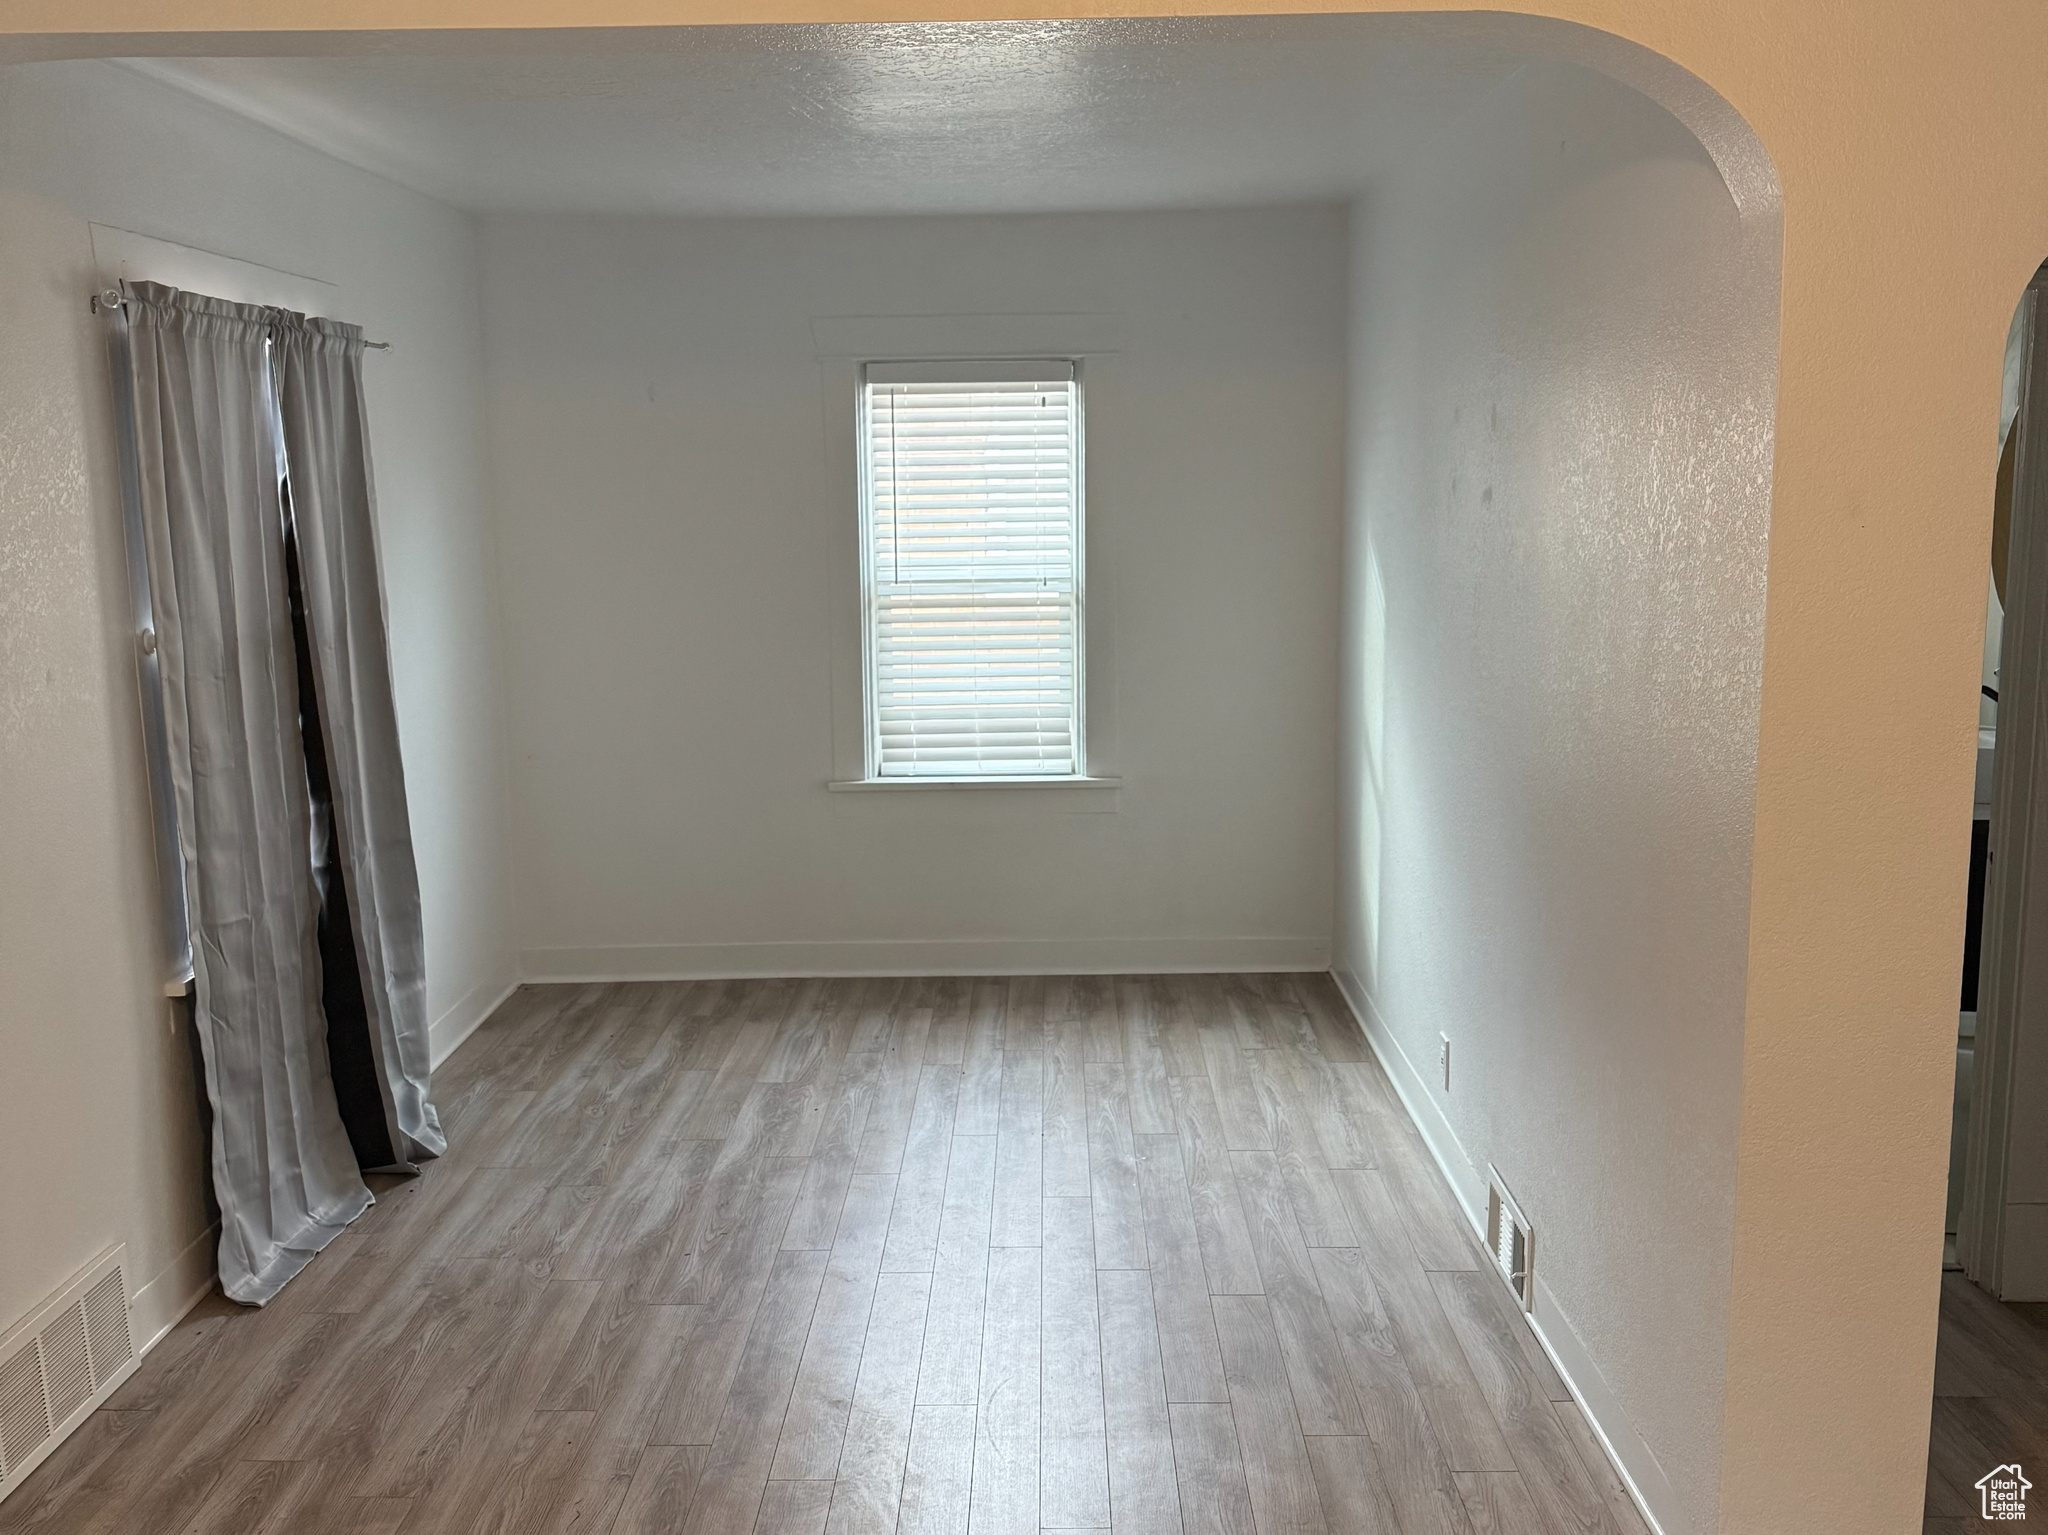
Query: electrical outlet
{"type": "Point", "coordinates": [1443, 1058]}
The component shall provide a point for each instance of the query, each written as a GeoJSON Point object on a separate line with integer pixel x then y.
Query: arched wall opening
{"type": "Point", "coordinates": [1516, 568]}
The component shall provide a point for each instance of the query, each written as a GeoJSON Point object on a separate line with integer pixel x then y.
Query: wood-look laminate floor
{"type": "Point", "coordinates": [1161, 1256]}
{"type": "Point", "coordinates": [1990, 1401]}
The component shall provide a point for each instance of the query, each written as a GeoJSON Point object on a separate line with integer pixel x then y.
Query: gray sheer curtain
{"type": "Point", "coordinates": [319, 367]}
{"type": "Point", "coordinates": [206, 446]}
{"type": "Point", "coordinates": [252, 479]}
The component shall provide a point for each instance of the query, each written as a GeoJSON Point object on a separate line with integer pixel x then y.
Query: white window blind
{"type": "Point", "coordinates": [973, 532]}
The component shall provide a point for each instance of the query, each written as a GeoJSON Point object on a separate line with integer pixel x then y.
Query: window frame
{"type": "Point", "coordinates": [1009, 368]}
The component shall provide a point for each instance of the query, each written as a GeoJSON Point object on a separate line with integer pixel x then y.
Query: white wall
{"type": "Point", "coordinates": [675, 498]}
{"type": "Point", "coordinates": [98, 1122]}
{"type": "Point", "coordinates": [1554, 574]}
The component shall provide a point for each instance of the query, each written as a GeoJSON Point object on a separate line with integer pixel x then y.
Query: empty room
{"type": "Point", "coordinates": [954, 776]}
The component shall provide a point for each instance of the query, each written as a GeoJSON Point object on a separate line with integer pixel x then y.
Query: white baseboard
{"type": "Point", "coordinates": [174, 1290]}
{"type": "Point", "coordinates": [447, 1032]}
{"type": "Point", "coordinates": [1466, 1181]}
{"type": "Point", "coordinates": [965, 956]}
{"type": "Point", "coordinates": [1639, 1469]}
{"type": "Point", "coordinates": [1641, 1472]}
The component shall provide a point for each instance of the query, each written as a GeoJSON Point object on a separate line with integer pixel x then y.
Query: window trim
{"type": "Point", "coordinates": [990, 369]}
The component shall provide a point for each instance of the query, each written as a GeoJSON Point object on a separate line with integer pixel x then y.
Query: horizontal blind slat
{"type": "Point", "coordinates": [974, 528]}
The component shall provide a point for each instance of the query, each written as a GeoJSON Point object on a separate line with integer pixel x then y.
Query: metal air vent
{"type": "Point", "coordinates": [60, 1362]}
{"type": "Point", "coordinates": [1510, 1240]}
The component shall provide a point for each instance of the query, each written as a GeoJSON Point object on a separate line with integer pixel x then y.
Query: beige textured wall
{"type": "Point", "coordinates": [1908, 137]}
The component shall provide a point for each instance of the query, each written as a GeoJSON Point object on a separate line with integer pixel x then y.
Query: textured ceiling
{"type": "Point", "coordinates": [984, 117]}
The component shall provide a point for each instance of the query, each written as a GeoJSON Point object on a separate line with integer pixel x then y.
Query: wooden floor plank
{"type": "Point", "coordinates": [1240, 1115]}
{"type": "Point", "coordinates": [1191, 1361]}
{"type": "Point", "coordinates": [386, 1358]}
{"type": "Point", "coordinates": [1113, 1170]}
{"type": "Point", "coordinates": [192, 1443]}
{"type": "Point", "coordinates": [1020, 1149]}
{"type": "Point", "coordinates": [1352, 1487]}
{"type": "Point", "coordinates": [938, 1480]}
{"type": "Point", "coordinates": [742, 1452]}
{"type": "Point", "coordinates": [1073, 1453]}
{"type": "Point", "coordinates": [620, 1104]}
{"type": "Point", "coordinates": [1151, 1101]}
{"type": "Point", "coordinates": [1458, 1411]}
{"type": "Point", "coordinates": [981, 1061]}
{"type": "Point", "coordinates": [1498, 1503]}
{"type": "Point", "coordinates": [612, 1334]}
{"type": "Point", "coordinates": [1066, 1110]}
{"type": "Point", "coordinates": [1338, 1036]}
{"type": "Point", "coordinates": [1233, 1002]}
{"type": "Point", "coordinates": [326, 1509]}
{"type": "Point", "coordinates": [1143, 1498]}
{"type": "Point", "coordinates": [1024, 1013]}
{"type": "Point", "coordinates": [626, 1239]}
{"type": "Point", "coordinates": [1094, 1004]}
{"type": "Point", "coordinates": [921, 1188]}
{"type": "Point", "coordinates": [897, 1084]}
{"type": "Point", "coordinates": [696, 1399]}
{"type": "Point", "coordinates": [1436, 1226]}
{"type": "Point", "coordinates": [972, 1256]}
{"type": "Point", "coordinates": [624, 1405]}
{"type": "Point", "coordinates": [77, 1473]}
{"type": "Point", "coordinates": [1220, 1225]}
{"type": "Point", "coordinates": [664, 1486]}
{"type": "Point", "coordinates": [1332, 1102]}
{"type": "Point", "coordinates": [1621, 1508]}
{"type": "Point", "coordinates": [1276, 1465]}
{"type": "Point", "coordinates": [1552, 1473]}
{"type": "Point", "coordinates": [870, 1474]}
{"type": "Point", "coordinates": [809, 1059]}
{"type": "Point", "coordinates": [1006, 1427]}
{"type": "Point", "coordinates": [794, 1508]}
{"type": "Point", "coordinates": [1418, 1480]}
{"type": "Point", "coordinates": [817, 1029]}
{"type": "Point", "coordinates": [499, 1460]}
{"type": "Point", "coordinates": [1208, 1467]}
{"type": "Point", "coordinates": [1299, 1151]}
{"type": "Point", "coordinates": [814, 1428]}
{"type": "Point", "coordinates": [1957, 1455]}
{"type": "Point", "coordinates": [1308, 1342]}
{"type": "Point", "coordinates": [737, 1072]}
{"type": "Point", "coordinates": [553, 1049]}
{"type": "Point", "coordinates": [950, 1370]}
{"type": "Point", "coordinates": [253, 1497]}
{"type": "Point", "coordinates": [1174, 1023]}
{"type": "Point", "coordinates": [1510, 1324]}
{"type": "Point", "coordinates": [489, 1329]}
{"type": "Point", "coordinates": [842, 1124]}
{"type": "Point", "coordinates": [947, 996]}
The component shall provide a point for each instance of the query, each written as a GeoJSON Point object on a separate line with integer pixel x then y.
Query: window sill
{"type": "Point", "coordinates": [1047, 781]}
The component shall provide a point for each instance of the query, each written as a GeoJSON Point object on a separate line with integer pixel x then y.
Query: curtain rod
{"type": "Point", "coordinates": [110, 298]}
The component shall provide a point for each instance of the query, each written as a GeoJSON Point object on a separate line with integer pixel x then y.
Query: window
{"type": "Point", "coordinates": [971, 548]}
